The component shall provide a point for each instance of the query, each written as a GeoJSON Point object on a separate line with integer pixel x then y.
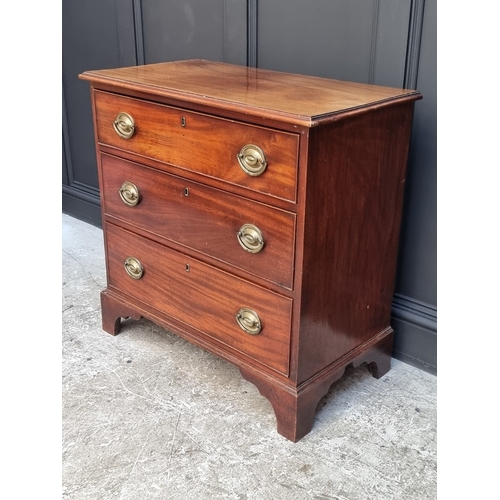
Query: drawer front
{"type": "Point", "coordinates": [205, 219]}
{"type": "Point", "coordinates": [200, 143]}
{"type": "Point", "coordinates": [202, 297]}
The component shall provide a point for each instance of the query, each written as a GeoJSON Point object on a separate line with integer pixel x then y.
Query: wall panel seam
{"type": "Point", "coordinates": [224, 28]}
{"type": "Point", "coordinates": [66, 142]}
{"type": "Point", "coordinates": [252, 48]}
{"type": "Point", "coordinates": [414, 40]}
{"type": "Point", "coordinates": [139, 33]}
{"type": "Point", "coordinates": [373, 48]}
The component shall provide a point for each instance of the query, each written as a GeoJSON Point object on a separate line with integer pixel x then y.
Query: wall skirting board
{"type": "Point", "coordinates": [415, 327]}
{"type": "Point", "coordinates": [81, 205]}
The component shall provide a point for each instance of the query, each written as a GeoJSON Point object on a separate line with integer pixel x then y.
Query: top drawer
{"type": "Point", "coordinates": [201, 143]}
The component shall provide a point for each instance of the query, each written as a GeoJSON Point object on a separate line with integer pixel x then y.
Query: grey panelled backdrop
{"type": "Point", "coordinates": [384, 42]}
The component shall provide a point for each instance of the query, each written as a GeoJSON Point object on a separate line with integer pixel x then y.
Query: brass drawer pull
{"type": "Point", "coordinates": [252, 160]}
{"type": "Point", "coordinates": [129, 194]}
{"type": "Point", "coordinates": [249, 321]}
{"type": "Point", "coordinates": [250, 238]}
{"type": "Point", "coordinates": [133, 267]}
{"type": "Point", "coordinates": [124, 125]}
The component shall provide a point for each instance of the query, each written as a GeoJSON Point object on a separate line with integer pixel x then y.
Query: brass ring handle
{"type": "Point", "coordinates": [133, 267]}
{"type": "Point", "coordinates": [252, 160]}
{"type": "Point", "coordinates": [250, 238]}
{"type": "Point", "coordinates": [129, 193]}
{"type": "Point", "coordinates": [248, 320]}
{"type": "Point", "coordinates": [124, 125]}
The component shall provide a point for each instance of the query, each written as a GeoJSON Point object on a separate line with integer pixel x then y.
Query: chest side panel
{"type": "Point", "coordinates": [355, 185]}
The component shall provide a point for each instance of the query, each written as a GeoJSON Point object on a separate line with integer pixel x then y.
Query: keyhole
{"type": "Point", "coordinates": [186, 191]}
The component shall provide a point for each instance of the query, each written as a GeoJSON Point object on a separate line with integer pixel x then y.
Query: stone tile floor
{"type": "Point", "coordinates": [148, 415]}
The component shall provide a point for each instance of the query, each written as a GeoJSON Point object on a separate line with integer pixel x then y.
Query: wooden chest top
{"type": "Point", "coordinates": [299, 99]}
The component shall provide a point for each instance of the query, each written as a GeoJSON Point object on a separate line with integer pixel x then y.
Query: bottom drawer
{"type": "Point", "coordinates": [245, 317]}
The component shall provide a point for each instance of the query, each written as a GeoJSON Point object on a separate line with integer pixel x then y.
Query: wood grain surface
{"type": "Point", "coordinates": [299, 98]}
{"type": "Point", "coordinates": [202, 297]}
{"type": "Point", "coordinates": [202, 218]}
{"type": "Point", "coordinates": [355, 187]}
{"type": "Point", "coordinates": [205, 145]}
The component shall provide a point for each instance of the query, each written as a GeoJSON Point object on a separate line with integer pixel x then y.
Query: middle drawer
{"type": "Point", "coordinates": [251, 236]}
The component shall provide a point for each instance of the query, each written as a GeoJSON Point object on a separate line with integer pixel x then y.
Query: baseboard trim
{"type": "Point", "coordinates": [414, 311]}
{"type": "Point", "coordinates": [415, 332]}
{"type": "Point", "coordinates": [82, 205]}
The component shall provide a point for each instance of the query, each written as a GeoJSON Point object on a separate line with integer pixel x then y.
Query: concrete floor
{"type": "Point", "coordinates": [148, 415]}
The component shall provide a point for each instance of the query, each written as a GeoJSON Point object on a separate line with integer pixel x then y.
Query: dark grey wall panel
{"type": "Point", "coordinates": [125, 26]}
{"type": "Point", "coordinates": [418, 256]}
{"type": "Point", "coordinates": [236, 31]}
{"type": "Point", "coordinates": [90, 41]}
{"type": "Point", "coordinates": [416, 283]}
{"type": "Point", "coordinates": [343, 39]}
{"type": "Point", "coordinates": [191, 29]}
{"type": "Point", "coordinates": [95, 34]}
{"type": "Point", "coordinates": [391, 38]}
{"type": "Point", "coordinates": [316, 37]}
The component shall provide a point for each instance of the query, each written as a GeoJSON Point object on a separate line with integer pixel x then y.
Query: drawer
{"type": "Point", "coordinates": [202, 297]}
{"type": "Point", "coordinates": [200, 143]}
{"type": "Point", "coordinates": [218, 224]}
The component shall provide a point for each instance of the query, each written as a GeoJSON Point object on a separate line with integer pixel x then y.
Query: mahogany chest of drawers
{"type": "Point", "coordinates": [256, 214]}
